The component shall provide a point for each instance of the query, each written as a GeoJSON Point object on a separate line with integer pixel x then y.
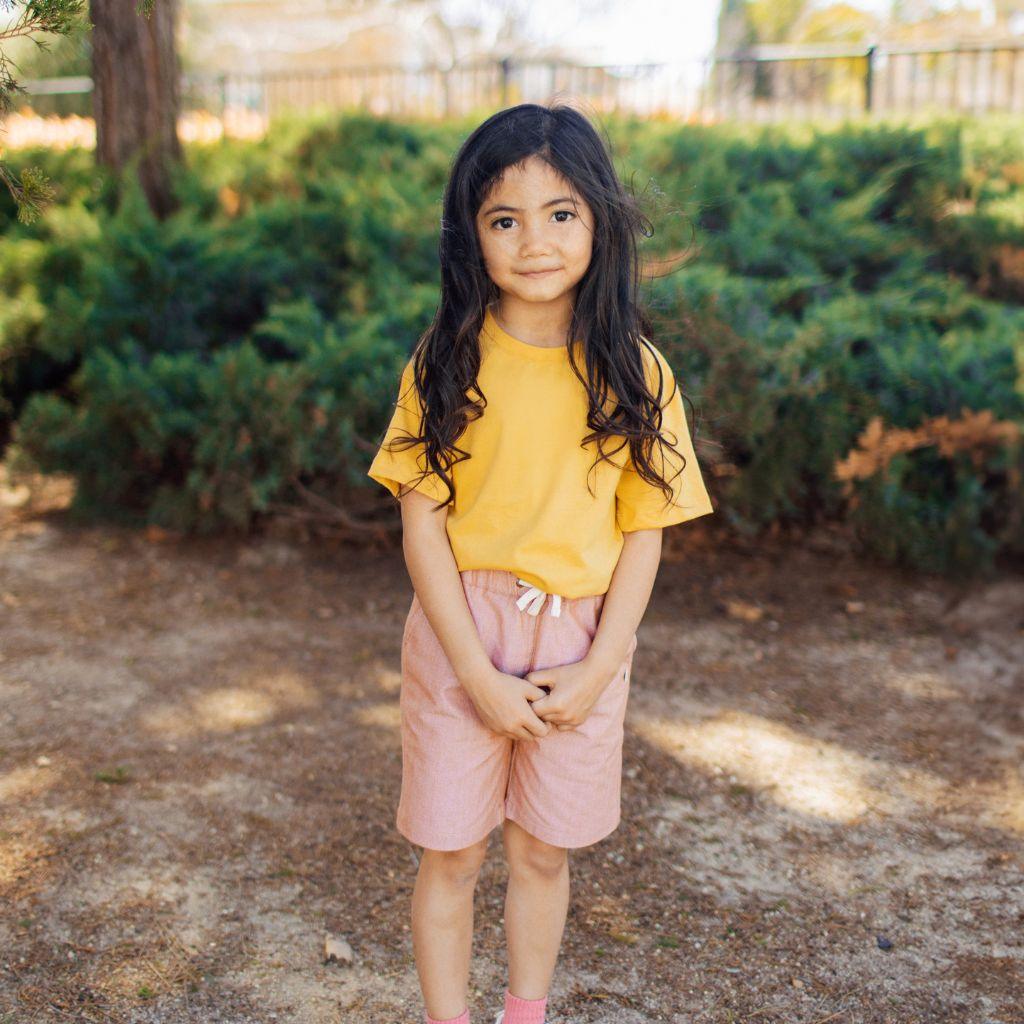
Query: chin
{"type": "Point", "coordinates": [548, 287]}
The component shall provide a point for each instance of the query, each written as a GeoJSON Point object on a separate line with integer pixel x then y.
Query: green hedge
{"type": "Point", "coordinates": [203, 372]}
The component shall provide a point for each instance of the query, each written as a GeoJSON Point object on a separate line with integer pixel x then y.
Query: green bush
{"type": "Point", "coordinates": [205, 371]}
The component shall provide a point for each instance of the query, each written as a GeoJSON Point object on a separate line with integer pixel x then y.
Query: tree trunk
{"type": "Point", "coordinates": [136, 93]}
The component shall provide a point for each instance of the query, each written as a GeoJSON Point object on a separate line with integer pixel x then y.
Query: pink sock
{"type": "Point", "coordinates": [463, 1018]}
{"type": "Point", "coordinates": [523, 1011]}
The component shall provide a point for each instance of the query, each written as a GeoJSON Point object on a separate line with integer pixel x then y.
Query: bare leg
{"type": "Point", "coordinates": [536, 903]}
{"type": "Point", "coordinates": [442, 926]}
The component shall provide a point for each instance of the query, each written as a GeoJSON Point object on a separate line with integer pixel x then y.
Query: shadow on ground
{"type": "Point", "coordinates": [823, 804]}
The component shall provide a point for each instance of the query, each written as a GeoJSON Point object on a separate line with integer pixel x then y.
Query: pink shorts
{"type": "Point", "coordinates": [459, 778]}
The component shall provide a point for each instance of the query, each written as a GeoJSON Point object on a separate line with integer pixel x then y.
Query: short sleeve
{"type": "Point", "coordinates": [404, 465]}
{"type": "Point", "coordinates": [640, 505]}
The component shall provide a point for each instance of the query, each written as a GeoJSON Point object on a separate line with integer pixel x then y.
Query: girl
{"type": "Point", "coordinates": [538, 447]}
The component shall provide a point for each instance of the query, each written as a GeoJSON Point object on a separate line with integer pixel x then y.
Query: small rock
{"type": "Point", "coordinates": [743, 610]}
{"type": "Point", "coordinates": [883, 942]}
{"type": "Point", "coordinates": [43, 761]}
{"type": "Point", "coordinates": [337, 950]}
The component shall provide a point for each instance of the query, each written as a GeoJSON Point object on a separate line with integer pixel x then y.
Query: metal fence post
{"type": "Point", "coordinates": [506, 70]}
{"type": "Point", "coordinates": [223, 83]}
{"type": "Point", "coordinates": [869, 79]}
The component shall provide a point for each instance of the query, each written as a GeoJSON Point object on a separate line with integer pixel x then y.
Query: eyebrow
{"type": "Point", "coordinates": [517, 209]}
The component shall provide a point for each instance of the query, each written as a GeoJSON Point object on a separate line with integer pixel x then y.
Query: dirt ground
{"type": "Point", "coordinates": [823, 799]}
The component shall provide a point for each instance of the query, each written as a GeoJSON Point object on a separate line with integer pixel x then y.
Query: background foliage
{"type": "Point", "coordinates": [242, 357]}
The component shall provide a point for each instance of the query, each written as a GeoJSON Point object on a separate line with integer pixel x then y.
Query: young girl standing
{"type": "Point", "coordinates": [538, 447]}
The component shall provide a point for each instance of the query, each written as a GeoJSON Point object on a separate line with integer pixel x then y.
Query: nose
{"type": "Point", "coordinates": [533, 241]}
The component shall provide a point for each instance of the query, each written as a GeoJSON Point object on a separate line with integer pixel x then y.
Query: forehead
{"type": "Point", "coordinates": [534, 179]}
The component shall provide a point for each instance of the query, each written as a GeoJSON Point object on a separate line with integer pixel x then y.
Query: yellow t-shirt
{"type": "Point", "coordinates": [521, 499]}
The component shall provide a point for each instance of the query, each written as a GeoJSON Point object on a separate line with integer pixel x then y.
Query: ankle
{"type": "Point", "coordinates": [524, 1011]}
{"type": "Point", "coordinates": [463, 1018]}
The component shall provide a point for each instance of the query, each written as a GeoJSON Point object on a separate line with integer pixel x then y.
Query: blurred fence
{"type": "Point", "coordinates": [763, 83]}
{"type": "Point", "coordinates": [772, 82]}
{"type": "Point", "coordinates": [435, 92]}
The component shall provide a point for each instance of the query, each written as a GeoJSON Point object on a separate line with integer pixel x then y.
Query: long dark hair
{"type": "Point", "coordinates": [607, 314]}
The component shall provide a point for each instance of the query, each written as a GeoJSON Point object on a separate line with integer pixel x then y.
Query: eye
{"type": "Point", "coordinates": [557, 213]}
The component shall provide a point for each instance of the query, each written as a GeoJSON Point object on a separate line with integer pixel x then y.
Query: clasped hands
{"type": "Point", "coordinates": [560, 697]}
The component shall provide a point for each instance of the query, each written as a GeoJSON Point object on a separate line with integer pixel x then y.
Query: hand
{"type": "Point", "coordinates": [574, 689]}
{"type": "Point", "coordinates": [503, 703]}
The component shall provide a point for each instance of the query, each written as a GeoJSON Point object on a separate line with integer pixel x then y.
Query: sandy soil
{"type": "Point", "coordinates": [823, 801]}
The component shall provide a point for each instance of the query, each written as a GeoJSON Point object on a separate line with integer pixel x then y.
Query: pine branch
{"type": "Point", "coordinates": [33, 191]}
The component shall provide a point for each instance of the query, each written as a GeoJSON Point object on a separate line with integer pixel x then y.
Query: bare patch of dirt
{"type": "Point", "coordinates": [823, 801]}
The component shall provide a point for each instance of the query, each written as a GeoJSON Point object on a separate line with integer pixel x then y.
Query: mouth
{"type": "Point", "coordinates": [541, 273]}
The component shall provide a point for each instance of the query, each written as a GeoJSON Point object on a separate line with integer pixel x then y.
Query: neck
{"type": "Point", "coordinates": [544, 324]}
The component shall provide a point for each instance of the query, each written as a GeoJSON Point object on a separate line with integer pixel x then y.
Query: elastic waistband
{"type": "Point", "coordinates": [503, 581]}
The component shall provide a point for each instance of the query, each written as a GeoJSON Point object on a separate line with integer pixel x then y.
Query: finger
{"type": "Point", "coordinates": [538, 727]}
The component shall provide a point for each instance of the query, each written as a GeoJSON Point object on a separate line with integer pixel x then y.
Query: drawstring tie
{"type": "Point", "coordinates": [534, 596]}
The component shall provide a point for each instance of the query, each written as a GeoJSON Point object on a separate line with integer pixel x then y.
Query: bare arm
{"type": "Point", "coordinates": [577, 686]}
{"type": "Point", "coordinates": [502, 701]}
{"type": "Point", "coordinates": [435, 578]}
{"type": "Point", "coordinates": [626, 600]}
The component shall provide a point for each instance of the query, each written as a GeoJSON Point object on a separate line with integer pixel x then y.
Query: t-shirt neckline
{"type": "Point", "coordinates": [521, 348]}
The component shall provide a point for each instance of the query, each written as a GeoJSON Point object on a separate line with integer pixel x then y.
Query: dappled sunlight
{"type": "Point", "coordinates": [1001, 801]}
{"type": "Point", "coordinates": [389, 680]}
{"type": "Point", "coordinates": [798, 772]}
{"type": "Point", "coordinates": [228, 708]}
{"type": "Point", "coordinates": [922, 685]}
{"type": "Point", "coordinates": [29, 781]}
{"type": "Point", "coordinates": [222, 710]}
{"type": "Point", "coordinates": [386, 715]}
{"type": "Point", "coordinates": [18, 854]}
{"type": "Point", "coordinates": [234, 708]}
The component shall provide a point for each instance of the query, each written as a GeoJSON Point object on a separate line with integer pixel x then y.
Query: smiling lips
{"type": "Point", "coordinates": [539, 273]}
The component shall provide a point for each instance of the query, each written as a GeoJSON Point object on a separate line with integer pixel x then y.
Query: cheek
{"type": "Point", "coordinates": [487, 251]}
{"type": "Point", "coordinates": [583, 248]}
{"type": "Point", "coordinates": [496, 255]}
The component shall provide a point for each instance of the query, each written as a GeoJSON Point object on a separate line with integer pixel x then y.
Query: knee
{"type": "Point", "coordinates": [530, 855]}
{"type": "Point", "coordinates": [458, 867]}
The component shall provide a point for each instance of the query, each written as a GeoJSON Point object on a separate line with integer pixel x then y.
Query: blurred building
{"type": "Point", "coordinates": [254, 36]}
{"type": "Point", "coordinates": [251, 36]}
